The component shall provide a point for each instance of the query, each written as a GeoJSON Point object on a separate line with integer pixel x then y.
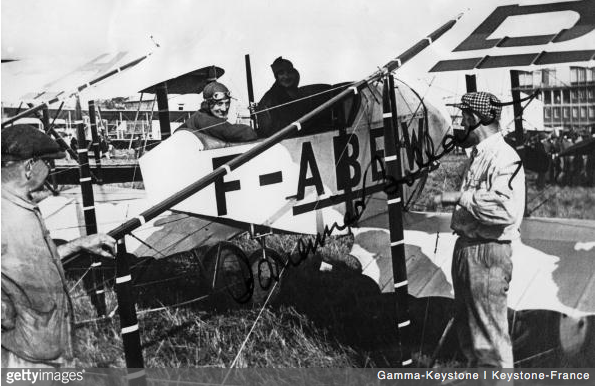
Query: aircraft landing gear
{"type": "Point", "coordinates": [266, 267]}
{"type": "Point", "coordinates": [227, 276]}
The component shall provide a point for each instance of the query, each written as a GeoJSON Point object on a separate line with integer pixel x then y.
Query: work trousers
{"type": "Point", "coordinates": [11, 360]}
{"type": "Point", "coordinates": [481, 273]}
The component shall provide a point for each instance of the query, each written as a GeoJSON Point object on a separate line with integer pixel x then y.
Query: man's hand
{"type": "Point", "coordinates": [447, 198]}
{"type": "Point", "coordinates": [98, 244]}
{"type": "Point", "coordinates": [252, 108]}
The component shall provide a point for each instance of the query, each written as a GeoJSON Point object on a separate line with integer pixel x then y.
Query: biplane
{"type": "Point", "coordinates": [309, 180]}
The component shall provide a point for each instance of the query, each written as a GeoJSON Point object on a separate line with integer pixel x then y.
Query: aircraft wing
{"type": "Point", "coordinates": [164, 236]}
{"type": "Point", "coordinates": [554, 263]}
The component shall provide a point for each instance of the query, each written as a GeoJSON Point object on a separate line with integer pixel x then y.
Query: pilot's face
{"type": "Point", "coordinates": [286, 77]}
{"type": "Point", "coordinates": [220, 108]}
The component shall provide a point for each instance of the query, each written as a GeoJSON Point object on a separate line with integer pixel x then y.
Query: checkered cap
{"type": "Point", "coordinates": [481, 103]}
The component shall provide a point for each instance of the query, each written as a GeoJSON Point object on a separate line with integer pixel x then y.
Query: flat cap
{"type": "Point", "coordinates": [484, 104]}
{"type": "Point", "coordinates": [22, 142]}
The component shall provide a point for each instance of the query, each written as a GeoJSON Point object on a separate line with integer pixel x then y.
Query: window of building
{"type": "Point", "coordinates": [547, 96]}
{"type": "Point", "coordinates": [556, 113]}
{"type": "Point", "coordinates": [573, 97]}
{"type": "Point", "coordinates": [591, 112]}
{"type": "Point", "coordinates": [582, 75]}
{"type": "Point", "coordinates": [557, 96]}
{"type": "Point", "coordinates": [575, 113]}
{"type": "Point", "coordinates": [545, 77]}
{"type": "Point", "coordinates": [574, 75]}
{"type": "Point", "coordinates": [525, 78]}
{"type": "Point", "coordinates": [591, 95]}
{"type": "Point", "coordinates": [547, 113]}
{"type": "Point", "coordinates": [566, 96]}
{"type": "Point", "coordinates": [537, 77]}
{"type": "Point", "coordinates": [548, 77]}
{"type": "Point", "coordinates": [581, 96]}
{"type": "Point", "coordinates": [566, 112]}
{"type": "Point", "coordinates": [583, 112]}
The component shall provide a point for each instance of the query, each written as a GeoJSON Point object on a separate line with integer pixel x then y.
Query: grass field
{"type": "Point", "coordinates": [319, 318]}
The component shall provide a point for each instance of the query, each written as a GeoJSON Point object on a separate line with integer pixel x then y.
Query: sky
{"type": "Point", "coordinates": [328, 41]}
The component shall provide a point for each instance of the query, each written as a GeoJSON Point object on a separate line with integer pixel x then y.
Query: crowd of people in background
{"type": "Point", "coordinates": [572, 170]}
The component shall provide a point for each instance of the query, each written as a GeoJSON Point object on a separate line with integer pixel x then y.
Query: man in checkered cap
{"type": "Point", "coordinates": [488, 212]}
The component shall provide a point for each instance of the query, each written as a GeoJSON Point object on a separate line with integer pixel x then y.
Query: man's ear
{"type": "Point", "coordinates": [28, 168]}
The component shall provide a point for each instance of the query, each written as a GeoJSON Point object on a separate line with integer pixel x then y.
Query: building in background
{"type": "Point", "coordinates": [568, 95]}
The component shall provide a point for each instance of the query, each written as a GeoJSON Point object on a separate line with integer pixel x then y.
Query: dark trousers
{"type": "Point", "coordinates": [481, 273]}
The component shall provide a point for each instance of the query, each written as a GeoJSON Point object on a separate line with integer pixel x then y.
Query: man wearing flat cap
{"type": "Point", "coordinates": [488, 212]}
{"type": "Point", "coordinates": [36, 308]}
{"type": "Point", "coordinates": [275, 109]}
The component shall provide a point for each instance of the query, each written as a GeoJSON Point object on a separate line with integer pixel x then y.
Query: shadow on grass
{"type": "Point", "coordinates": [350, 307]}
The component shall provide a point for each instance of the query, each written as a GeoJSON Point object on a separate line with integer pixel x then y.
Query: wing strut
{"type": "Point", "coordinates": [63, 96]}
{"type": "Point", "coordinates": [393, 167]}
{"type": "Point", "coordinates": [93, 281]}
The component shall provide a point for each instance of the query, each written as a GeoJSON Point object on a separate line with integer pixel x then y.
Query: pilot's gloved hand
{"type": "Point", "coordinates": [253, 107]}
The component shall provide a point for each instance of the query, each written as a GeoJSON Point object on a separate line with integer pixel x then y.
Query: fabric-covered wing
{"type": "Point", "coordinates": [554, 264]}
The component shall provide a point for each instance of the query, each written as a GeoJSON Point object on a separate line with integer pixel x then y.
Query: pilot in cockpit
{"type": "Point", "coordinates": [275, 109]}
{"type": "Point", "coordinates": [211, 118]}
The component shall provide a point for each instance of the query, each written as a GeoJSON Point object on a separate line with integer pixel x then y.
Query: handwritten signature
{"type": "Point", "coordinates": [304, 247]}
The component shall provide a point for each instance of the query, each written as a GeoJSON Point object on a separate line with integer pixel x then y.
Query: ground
{"type": "Point", "coordinates": [317, 319]}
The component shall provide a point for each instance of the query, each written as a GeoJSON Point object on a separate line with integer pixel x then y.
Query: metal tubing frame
{"type": "Point", "coordinates": [129, 325]}
{"type": "Point", "coordinates": [163, 111]}
{"type": "Point", "coordinates": [95, 142]}
{"type": "Point", "coordinates": [97, 294]}
{"type": "Point", "coordinates": [393, 169]}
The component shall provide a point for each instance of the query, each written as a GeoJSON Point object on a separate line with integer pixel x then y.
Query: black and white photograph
{"type": "Point", "coordinates": [314, 192]}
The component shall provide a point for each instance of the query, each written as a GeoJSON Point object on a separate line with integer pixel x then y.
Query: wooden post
{"type": "Point", "coordinates": [471, 83]}
{"type": "Point", "coordinates": [129, 326]}
{"type": "Point", "coordinates": [93, 287]}
{"type": "Point", "coordinates": [393, 169]}
{"type": "Point", "coordinates": [163, 110]}
{"type": "Point", "coordinates": [95, 142]}
{"type": "Point", "coordinates": [46, 123]}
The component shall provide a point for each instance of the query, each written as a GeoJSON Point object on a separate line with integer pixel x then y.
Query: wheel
{"type": "Point", "coordinates": [227, 276]}
{"type": "Point", "coordinates": [266, 267]}
{"type": "Point", "coordinates": [576, 340]}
